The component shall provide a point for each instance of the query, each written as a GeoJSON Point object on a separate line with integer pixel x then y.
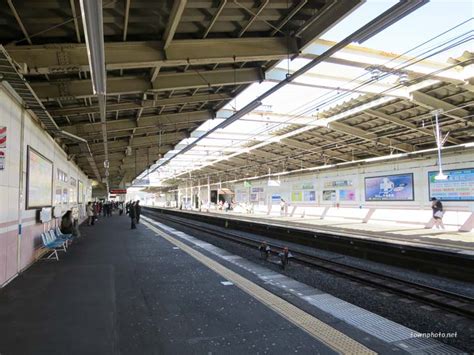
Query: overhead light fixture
{"type": "Point", "coordinates": [388, 18]}
{"type": "Point", "coordinates": [92, 21]}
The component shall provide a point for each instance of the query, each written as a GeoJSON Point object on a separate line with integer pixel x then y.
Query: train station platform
{"type": "Point", "coordinates": [155, 290]}
{"type": "Point", "coordinates": [389, 231]}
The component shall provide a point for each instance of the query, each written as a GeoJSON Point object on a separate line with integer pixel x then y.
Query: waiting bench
{"type": "Point", "coordinates": [54, 240]}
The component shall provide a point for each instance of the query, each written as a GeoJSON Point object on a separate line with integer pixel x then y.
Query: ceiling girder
{"type": "Point", "coordinates": [49, 59]}
{"type": "Point", "coordinates": [402, 123]}
{"type": "Point", "coordinates": [360, 133]}
{"type": "Point", "coordinates": [166, 139]}
{"type": "Point", "coordinates": [308, 146]}
{"type": "Point", "coordinates": [143, 122]}
{"type": "Point", "coordinates": [133, 85]}
{"type": "Point", "coordinates": [171, 101]}
{"type": "Point", "coordinates": [434, 103]}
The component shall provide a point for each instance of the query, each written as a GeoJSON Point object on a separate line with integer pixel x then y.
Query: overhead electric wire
{"type": "Point", "coordinates": [371, 80]}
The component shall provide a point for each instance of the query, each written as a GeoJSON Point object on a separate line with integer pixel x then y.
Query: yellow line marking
{"type": "Point", "coordinates": [324, 333]}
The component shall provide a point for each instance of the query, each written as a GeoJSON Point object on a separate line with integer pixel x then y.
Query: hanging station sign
{"type": "Point", "coordinates": [118, 191]}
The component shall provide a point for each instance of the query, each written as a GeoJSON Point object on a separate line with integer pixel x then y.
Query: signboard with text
{"type": "Point", "coordinates": [118, 191]}
{"type": "Point", "coordinates": [458, 186]}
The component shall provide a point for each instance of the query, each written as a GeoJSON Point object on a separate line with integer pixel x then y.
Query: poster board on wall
{"type": "Point", "coordinates": [389, 188]}
{"type": "Point", "coordinates": [80, 191]}
{"type": "Point", "coordinates": [459, 185]}
{"type": "Point", "coordinates": [3, 146]}
{"type": "Point", "coordinates": [39, 180]}
{"type": "Point", "coordinates": [73, 190]}
{"type": "Point", "coordinates": [347, 195]}
{"type": "Point", "coordinates": [329, 195]}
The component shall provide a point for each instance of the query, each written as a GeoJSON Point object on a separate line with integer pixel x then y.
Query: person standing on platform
{"type": "Point", "coordinates": [90, 214]}
{"type": "Point", "coordinates": [67, 224]}
{"type": "Point", "coordinates": [133, 215]}
{"type": "Point", "coordinates": [438, 212]}
{"type": "Point", "coordinates": [138, 211]}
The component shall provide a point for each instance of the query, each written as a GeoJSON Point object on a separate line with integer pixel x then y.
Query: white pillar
{"type": "Point", "coordinates": [208, 193]}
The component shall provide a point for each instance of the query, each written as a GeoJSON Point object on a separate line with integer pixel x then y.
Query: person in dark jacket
{"type": "Point", "coordinates": [438, 212]}
{"type": "Point", "coordinates": [138, 210]}
{"type": "Point", "coordinates": [133, 215]}
{"type": "Point", "coordinates": [67, 225]}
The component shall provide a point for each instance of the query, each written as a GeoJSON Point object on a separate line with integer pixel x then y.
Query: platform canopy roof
{"type": "Point", "coordinates": [177, 69]}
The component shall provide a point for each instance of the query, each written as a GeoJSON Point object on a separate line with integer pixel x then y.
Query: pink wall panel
{"type": "Point", "coordinates": [11, 243]}
{"type": "Point", "coordinates": [30, 242]}
{"type": "Point", "coordinates": [3, 257]}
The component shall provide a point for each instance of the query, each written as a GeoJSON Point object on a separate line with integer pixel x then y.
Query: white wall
{"type": "Point", "coordinates": [18, 251]}
{"type": "Point", "coordinates": [417, 211]}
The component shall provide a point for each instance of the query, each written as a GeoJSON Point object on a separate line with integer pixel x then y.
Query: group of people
{"type": "Point", "coordinates": [284, 254]}
{"type": "Point", "coordinates": [104, 208]}
{"type": "Point", "coordinates": [225, 205]}
{"type": "Point", "coordinates": [134, 210]}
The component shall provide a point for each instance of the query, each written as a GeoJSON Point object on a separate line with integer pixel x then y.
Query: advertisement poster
{"type": "Point", "coordinates": [58, 196]}
{"type": "Point", "coordinates": [72, 190]}
{"type": "Point", "coordinates": [309, 196]}
{"type": "Point", "coordinates": [3, 146]}
{"type": "Point", "coordinates": [241, 196]}
{"type": "Point", "coordinates": [338, 183]}
{"type": "Point", "coordinates": [276, 198]}
{"type": "Point", "coordinates": [389, 188]}
{"type": "Point", "coordinates": [329, 195]}
{"type": "Point", "coordinates": [39, 177]}
{"type": "Point", "coordinates": [297, 196]}
{"type": "Point", "coordinates": [65, 196]}
{"type": "Point", "coordinates": [347, 195]}
{"type": "Point", "coordinates": [308, 185]}
{"type": "Point", "coordinates": [459, 186]}
{"type": "Point", "coordinates": [80, 192]}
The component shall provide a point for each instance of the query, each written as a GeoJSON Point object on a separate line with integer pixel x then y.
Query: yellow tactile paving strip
{"type": "Point", "coordinates": [324, 333]}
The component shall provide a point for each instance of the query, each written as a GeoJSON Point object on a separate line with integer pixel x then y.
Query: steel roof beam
{"type": "Point", "coordinates": [126, 106]}
{"type": "Point", "coordinates": [173, 21]}
{"type": "Point", "coordinates": [19, 21]}
{"type": "Point", "coordinates": [402, 123]}
{"type": "Point", "coordinates": [120, 145]}
{"type": "Point", "coordinates": [125, 19]}
{"type": "Point", "coordinates": [144, 122]}
{"type": "Point", "coordinates": [135, 85]}
{"type": "Point", "coordinates": [44, 59]}
{"type": "Point", "coordinates": [72, 3]}
{"type": "Point", "coordinates": [214, 17]}
{"type": "Point", "coordinates": [331, 13]}
{"type": "Point", "coordinates": [311, 149]}
{"type": "Point", "coordinates": [434, 103]}
{"type": "Point", "coordinates": [360, 133]}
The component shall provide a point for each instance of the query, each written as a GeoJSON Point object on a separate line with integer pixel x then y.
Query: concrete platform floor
{"type": "Point", "coordinates": [122, 291]}
{"type": "Point", "coordinates": [393, 231]}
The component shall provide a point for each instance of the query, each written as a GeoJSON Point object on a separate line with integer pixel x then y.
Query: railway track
{"type": "Point", "coordinates": [441, 299]}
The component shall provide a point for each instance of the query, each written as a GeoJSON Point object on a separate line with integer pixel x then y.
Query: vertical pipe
{"type": "Point", "coordinates": [21, 194]}
{"type": "Point", "coordinates": [440, 175]}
